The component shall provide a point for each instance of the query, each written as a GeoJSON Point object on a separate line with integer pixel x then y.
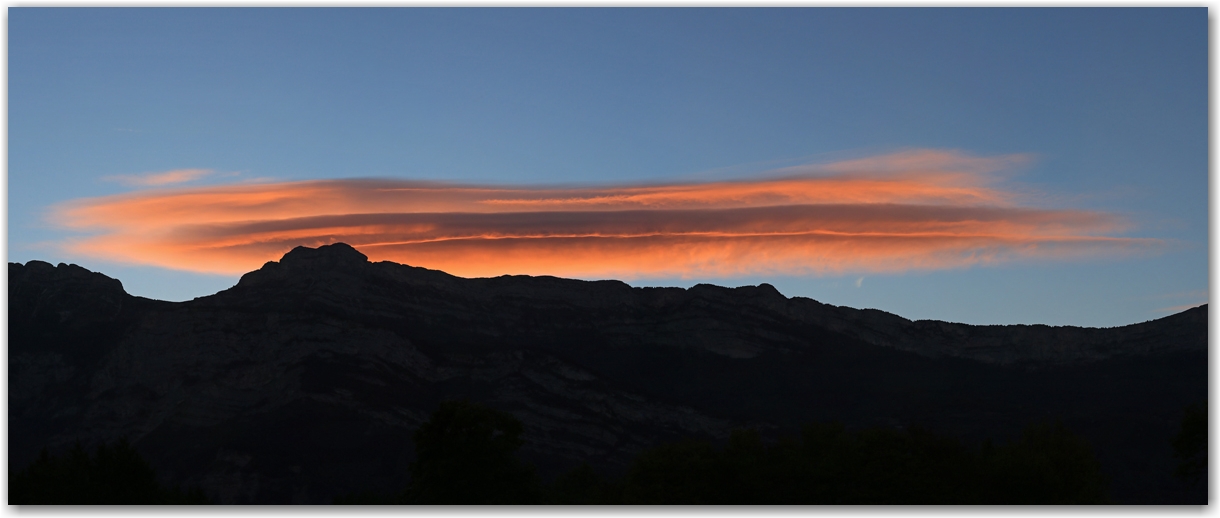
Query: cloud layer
{"type": "Point", "coordinates": [159, 179]}
{"type": "Point", "coordinates": [916, 210]}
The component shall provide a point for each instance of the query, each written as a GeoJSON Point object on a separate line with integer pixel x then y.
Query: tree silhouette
{"type": "Point", "coordinates": [465, 455]}
{"type": "Point", "coordinates": [584, 486]}
{"type": "Point", "coordinates": [831, 465]}
{"type": "Point", "coordinates": [1190, 445]}
{"type": "Point", "coordinates": [1047, 465]}
{"type": "Point", "coordinates": [679, 473]}
{"type": "Point", "coordinates": [113, 475]}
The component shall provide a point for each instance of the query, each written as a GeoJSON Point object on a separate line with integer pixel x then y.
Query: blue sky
{"type": "Point", "coordinates": [1109, 105]}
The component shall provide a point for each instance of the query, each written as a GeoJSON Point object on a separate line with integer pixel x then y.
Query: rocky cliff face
{"type": "Point", "coordinates": [305, 379]}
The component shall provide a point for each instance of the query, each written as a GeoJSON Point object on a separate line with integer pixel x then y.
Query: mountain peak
{"type": "Point", "coordinates": [325, 256]}
{"type": "Point", "coordinates": [305, 260]}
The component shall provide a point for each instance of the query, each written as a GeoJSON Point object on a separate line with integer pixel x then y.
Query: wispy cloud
{"type": "Point", "coordinates": [1179, 308]}
{"type": "Point", "coordinates": [176, 176]}
{"type": "Point", "coordinates": [1192, 294]}
{"type": "Point", "coordinates": [916, 210]}
{"type": "Point", "coordinates": [1198, 298]}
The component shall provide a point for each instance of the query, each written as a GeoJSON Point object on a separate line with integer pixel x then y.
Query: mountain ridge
{"type": "Point", "coordinates": [304, 379]}
{"type": "Point", "coordinates": [977, 342]}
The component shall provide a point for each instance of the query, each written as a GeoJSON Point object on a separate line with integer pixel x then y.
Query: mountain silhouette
{"type": "Point", "coordinates": [306, 379]}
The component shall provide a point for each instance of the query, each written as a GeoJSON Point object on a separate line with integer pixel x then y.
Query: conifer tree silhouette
{"type": "Point", "coordinates": [112, 475]}
{"type": "Point", "coordinates": [465, 454]}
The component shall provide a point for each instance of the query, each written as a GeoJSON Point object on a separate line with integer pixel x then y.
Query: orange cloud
{"type": "Point", "coordinates": [917, 210]}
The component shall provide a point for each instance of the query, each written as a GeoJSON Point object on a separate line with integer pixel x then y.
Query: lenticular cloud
{"type": "Point", "coordinates": [916, 210]}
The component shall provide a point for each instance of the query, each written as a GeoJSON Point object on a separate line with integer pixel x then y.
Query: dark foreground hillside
{"type": "Point", "coordinates": [306, 380]}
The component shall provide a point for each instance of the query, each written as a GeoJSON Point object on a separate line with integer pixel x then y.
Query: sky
{"type": "Point", "coordinates": [986, 166]}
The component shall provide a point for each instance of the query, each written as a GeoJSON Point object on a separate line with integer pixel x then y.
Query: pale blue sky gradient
{"type": "Point", "coordinates": [1113, 102]}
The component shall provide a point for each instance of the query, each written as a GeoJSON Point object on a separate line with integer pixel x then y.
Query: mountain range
{"type": "Point", "coordinates": [305, 379]}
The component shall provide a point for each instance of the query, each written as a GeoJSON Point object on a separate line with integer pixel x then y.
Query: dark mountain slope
{"type": "Point", "coordinates": [304, 380]}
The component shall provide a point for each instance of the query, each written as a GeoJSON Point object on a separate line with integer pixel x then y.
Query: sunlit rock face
{"type": "Point", "coordinates": [305, 380]}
